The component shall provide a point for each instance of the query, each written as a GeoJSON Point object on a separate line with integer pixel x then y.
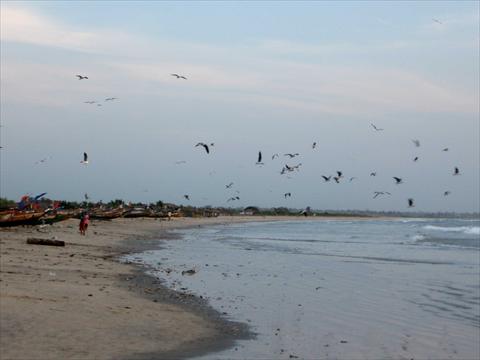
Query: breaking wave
{"type": "Point", "coordinates": [470, 230]}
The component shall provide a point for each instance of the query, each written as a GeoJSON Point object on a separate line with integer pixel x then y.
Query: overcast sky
{"type": "Point", "coordinates": [269, 76]}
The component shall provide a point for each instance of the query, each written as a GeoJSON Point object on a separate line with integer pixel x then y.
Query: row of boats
{"type": "Point", "coordinates": [14, 217]}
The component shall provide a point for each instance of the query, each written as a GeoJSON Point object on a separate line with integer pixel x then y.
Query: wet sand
{"type": "Point", "coordinates": [80, 302]}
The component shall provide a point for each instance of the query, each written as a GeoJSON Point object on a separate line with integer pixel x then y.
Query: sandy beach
{"type": "Point", "coordinates": [80, 302]}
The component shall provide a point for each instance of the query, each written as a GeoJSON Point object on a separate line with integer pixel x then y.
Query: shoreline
{"type": "Point", "coordinates": [73, 301]}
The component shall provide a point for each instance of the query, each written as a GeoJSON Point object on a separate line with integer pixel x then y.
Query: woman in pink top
{"type": "Point", "coordinates": [84, 224]}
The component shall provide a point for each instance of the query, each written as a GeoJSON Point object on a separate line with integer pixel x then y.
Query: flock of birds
{"type": "Point", "coordinates": [339, 174]}
{"type": "Point", "coordinates": [207, 147]}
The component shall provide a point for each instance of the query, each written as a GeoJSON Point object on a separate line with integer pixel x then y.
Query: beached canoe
{"type": "Point", "coordinates": [17, 217]}
{"type": "Point", "coordinates": [107, 214]}
{"type": "Point", "coordinates": [54, 216]}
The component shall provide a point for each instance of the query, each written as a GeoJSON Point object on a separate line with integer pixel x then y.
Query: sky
{"type": "Point", "coordinates": [262, 76]}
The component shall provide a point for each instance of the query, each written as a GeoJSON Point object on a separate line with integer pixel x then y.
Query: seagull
{"type": "Point", "coordinates": [205, 146]}
{"type": "Point", "coordinates": [446, 149]}
{"type": "Point", "coordinates": [314, 145]}
{"type": "Point", "coordinates": [373, 173]}
{"type": "Point", "coordinates": [85, 158]}
{"type": "Point", "coordinates": [339, 173]}
{"type": "Point", "coordinates": [180, 162]}
{"type": "Point", "coordinates": [416, 159]}
{"type": "Point", "coordinates": [233, 198]}
{"type": "Point", "coordinates": [287, 195]}
{"type": "Point", "coordinates": [291, 155]}
{"type": "Point", "coordinates": [410, 203]}
{"type": "Point", "coordinates": [378, 193]}
{"type": "Point", "coordinates": [437, 21]}
{"type": "Point", "coordinates": [179, 76]}
{"type": "Point", "coordinates": [416, 142]}
{"type": "Point", "coordinates": [274, 156]}
{"type": "Point", "coordinates": [446, 193]}
{"type": "Point", "coordinates": [327, 179]}
{"type": "Point", "coordinates": [86, 196]}
{"type": "Point", "coordinates": [89, 102]}
{"type": "Point", "coordinates": [229, 185]}
{"type": "Point", "coordinates": [352, 178]}
{"type": "Point", "coordinates": [456, 171]}
{"type": "Point", "coordinates": [111, 99]}
{"type": "Point", "coordinates": [398, 180]}
{"type": "Point", "coordinates": [259, 160]}
{"type": "Point", "coordinates": [187, 197]}
{"type": "Point", "coordinates": [377, 129]}
{"type": "Point", "coordinates": [41, 161]}
{"type": "Point", "coordinates": [337, 179]}
{"type": "Point", "coordinates": [80, 77]}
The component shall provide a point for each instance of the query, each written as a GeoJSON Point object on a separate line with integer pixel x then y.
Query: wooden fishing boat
{"type": "Point", "coordinates": [17, 217]}
{"type": "Point", "coordinates": [54, 216]}
{"type": "Point", "coordinates": [138, 212]}
{"type": "Point", "coordinates": [106, 214]}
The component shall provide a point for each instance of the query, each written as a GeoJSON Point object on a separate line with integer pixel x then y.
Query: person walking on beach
{"type": "Point", "coordinates": [85, 219]}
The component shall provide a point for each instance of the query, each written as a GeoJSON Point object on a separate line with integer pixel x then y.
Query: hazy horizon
{"type": "Point", "coordinates": [270, 77]}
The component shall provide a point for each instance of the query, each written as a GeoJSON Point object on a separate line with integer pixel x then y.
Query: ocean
{"type": "Point", "coordinates": [339, 289]}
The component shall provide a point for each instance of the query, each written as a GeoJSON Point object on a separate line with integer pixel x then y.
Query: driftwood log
{"type": "Point", "coordinates": [37, 241]}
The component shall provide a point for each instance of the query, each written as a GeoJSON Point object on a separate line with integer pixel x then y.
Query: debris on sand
{"type": "Point", "coordinates": [189, 272]}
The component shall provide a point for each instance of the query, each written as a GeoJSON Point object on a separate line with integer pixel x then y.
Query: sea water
{"type": "Point", "coordinates": [346, 289]}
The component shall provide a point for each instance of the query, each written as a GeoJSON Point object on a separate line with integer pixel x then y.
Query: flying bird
{"type": "Point", "coordinates": [352, 178]}
{"type": "Point", "coordinates": [397, 180]}
{"type": "Point", "coordinates": [410, 203]}
{"type": "Point", "coordinates": [89, 102]}
{"type": "Point", "coordinates": [44, 160]}
{"type": "Point", "coordinates": [437, 21]}
{"type": "Point", "coordinates": [205, 146]}
{"type": "Point", "coordinates": [259, 159]}
{"type": "Point", "coordinates": [373, 173]}
{"type": "Point", "coordinates": [86, 196]}
{"type": "Point", "coordinates": [456, 171]}
{"type": "Point", "coordinates": [187, 197]}
{"type": "Point", "coordinates": [287, 195]}
{"type": "Point", "coordinates": [416, 142]}
{"type": "Point", "coordinates": [416, 159]}
{"type": "Point", "coordinates": [81, 77]}
{"type": "Point", "coordinates": [111, 99]}
{"type": "Point", "coordinates": [340, 174]}
{"type": "Point", "coordinates": [233, 198]}
{"type": "Point", "coordinates": [327, 178]}
{"type": "Point", "coordinates": [376, 128]}
{"type": "Point", "coordinates": [445, 149]}
{"type": "Point", "coordinates": [291, 155]}
{"type": "Point", "coordinates": [378, 193]}
{"type": "Point", "coordinates": [446, 193]}
{"type": "Point", "coordinates": [179, 76]}
{"type": "Point", "coordinates": [85, 158]}
{"type": "Point", "coordinates": [229, 185]}
{"type": "Point", "coordinates": [180, 162]}
{"type": "Point", "coordinates": [314, 145]}
{"type": "Point", "coordinates": [274, 156]}
{"type": "Point", "coordinates": [337, 179]}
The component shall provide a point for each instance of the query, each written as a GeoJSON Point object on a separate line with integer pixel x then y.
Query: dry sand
{"type": "Point", "coordinates": [79, 302]}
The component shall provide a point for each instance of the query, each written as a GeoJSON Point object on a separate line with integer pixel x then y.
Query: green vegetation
{"type": "Point", "coordinates": [6, 204]}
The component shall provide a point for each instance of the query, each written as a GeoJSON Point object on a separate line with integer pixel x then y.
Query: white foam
{"type": "Point", "coordinates": [471, 230]}
{"type": "Point", "coordinates": [418, 237]}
